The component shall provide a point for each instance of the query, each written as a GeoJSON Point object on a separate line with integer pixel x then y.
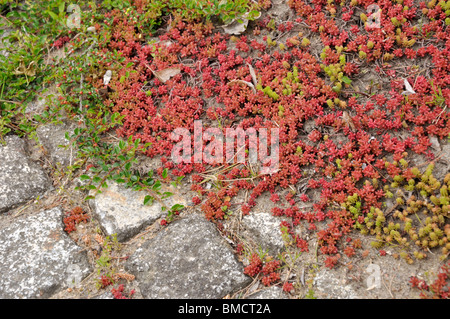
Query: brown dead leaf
{"type": "Point", "coordinates": [87, 240]}
{"type": "Point", "coordinates": [238, 25]}
{"type": "Point", "coordinates": [253, 74]}
{"type": "Point", "coordinates": [166, 74]}
{"type": "Point", "coordinates": [99, 239]}
{"type": "Point", "coordinates": [28, 71]}
{"type": "Point", "coordinates": [246, 83]}
{"type": "Point", "coordinates": [126, 276]}
{"type": "Point", "coordinates": [235, 27]}
{"type": "Point", "coordinates": [348, 120]}
{"type": "Point", "coordinates": [104, 92]}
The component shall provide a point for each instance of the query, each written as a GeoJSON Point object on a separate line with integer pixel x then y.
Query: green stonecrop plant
{"type": "Point", "coordinates": [269, 92]}
{"type": "Point", "coordinates": [335, 71]}
{"type": "Point", "coordinates": [290, 86]}
{"type": "Point", "coordinates": [416, 222]}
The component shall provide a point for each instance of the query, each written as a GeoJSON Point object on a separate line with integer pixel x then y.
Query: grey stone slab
{"type": "Point", "coordinates": [51, 136]}
{"type": "Point", "coordinates": [442, 165]}
{"type": "Point", "coordinates": [446, 155]}
{"type": "Point", "coordinates": [20, 178]}
{"type": "Point", "coordinates": [4, 48]}
{"type": "Point", "coordinates": [37, 258]}
{"type": "Point", "coordinates": [330, 285]}
{"type": "Point", "coordinates": [42, 100]}
{"type": "Point", "coordinates": [435, 143]}
{"type": "Point", "coordinates": [265, 229]}
{"type": "Point", "coordinates": [188, 259]}
{"type": "Point", "coordinates": [121, 211]}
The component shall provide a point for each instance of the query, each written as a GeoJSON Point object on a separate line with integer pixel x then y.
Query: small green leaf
{"type": "Point", "coordinates": [61, 7]}
{"type": "Point", "coordinates": [148, 199]}
{"type": "Point", "coordinates": [176, 207]}
{"type": "Point", "coordinates": [84, 177]}
{"type": "Point", "coordinates": [157, 186]}
{"type": "Point", "coordinates": [96, 179]}
{"type": "Point", "coordinates": [253, 13]}
{"type": "Point", "coordinates": [346, 80]}
{"type": "Point", "coordinates": [166, 194]}
{"type": "Point", "coordinates": [53, 15]}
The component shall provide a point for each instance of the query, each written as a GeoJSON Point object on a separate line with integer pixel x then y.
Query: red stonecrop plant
{"type": "Point", "coordinates": [74, 217]}
{"type": "Point", "coordinates": [119, 292]}
{"type": "Point", "coordinates": [269, 270]}
{"type": "Point", "coordinates": [255, 266]}
{"type": "Point", "coordinates": [105, 281]}
{"type": "Point", "coordinates": [439, 289]}
{"type": "Point", "coordinates": [352, 134]}
{"type": "Point", "coordinates": [59, 43]}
